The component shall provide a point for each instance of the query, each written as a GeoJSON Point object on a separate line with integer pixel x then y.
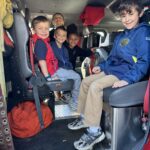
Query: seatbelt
{"type": "Point", "coordinates": [140, 144]}
{"type": "Point", "coordinates": [35, 81]}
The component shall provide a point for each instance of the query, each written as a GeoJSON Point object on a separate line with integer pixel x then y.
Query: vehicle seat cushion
{"type": "Point", "coordinates": [126, 96]}
{"type": "Point", "coordinates": [59, 85]}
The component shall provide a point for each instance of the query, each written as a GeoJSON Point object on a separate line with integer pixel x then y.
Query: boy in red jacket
{"type": "Point", "coordinates": [42, 49]}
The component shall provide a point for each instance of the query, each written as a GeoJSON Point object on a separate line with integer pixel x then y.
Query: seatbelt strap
{"type": "Point", "coordinates": [34, 82]}
{"type": "Point", "coordinates": [38, 105]}
{"type": "Point", "coordinates": [140, 144]}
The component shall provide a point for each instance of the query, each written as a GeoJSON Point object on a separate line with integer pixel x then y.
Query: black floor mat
{"type": "Point", "coordinates": [56, 137]}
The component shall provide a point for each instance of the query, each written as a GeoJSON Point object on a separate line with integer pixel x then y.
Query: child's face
{"type": "Point", "coordinates": [130, 19]}
{"type": "Point", "coordinates": [42, 29]}
{"type": "Point", "coordinates": [60, 36]}
{"type": "Point", "coordinates": [73, 40]}
{"type": "Point", "coordinates": [58, 20]}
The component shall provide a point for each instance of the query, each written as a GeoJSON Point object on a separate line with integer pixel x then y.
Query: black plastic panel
{"type": "Point", "coordinates": [58, 85]}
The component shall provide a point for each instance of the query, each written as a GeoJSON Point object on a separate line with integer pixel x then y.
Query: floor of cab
{"type": "Point", "coordinates": [56, 137]}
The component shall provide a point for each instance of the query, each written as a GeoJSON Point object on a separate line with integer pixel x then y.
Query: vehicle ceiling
{"type": "Point", "coordinates": [71, 9]}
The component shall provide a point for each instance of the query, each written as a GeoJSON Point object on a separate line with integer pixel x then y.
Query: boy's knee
{"type": "Point", "coordinates": [84, 81]}
{"type": "Point", "coordinates": [77, 76]}
{"type": "Point", "coordinates": [96, 86]}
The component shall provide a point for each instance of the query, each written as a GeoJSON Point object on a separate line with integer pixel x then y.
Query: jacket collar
{"type": "Point", "coordinates": [36, 37]}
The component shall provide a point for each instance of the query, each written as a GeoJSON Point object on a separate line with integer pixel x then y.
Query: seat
{"type": "Point", "coordinates": [21, 72]}
{"type": "Point", "coordinates": [122, 115]}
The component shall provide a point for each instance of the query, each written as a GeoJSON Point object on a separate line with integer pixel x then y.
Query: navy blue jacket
{"type": "Point", "coordinates": [129, 59]}
{"type": "Point", "coordinates": [62, 56]}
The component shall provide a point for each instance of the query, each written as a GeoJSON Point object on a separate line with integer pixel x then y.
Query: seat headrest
{"type": "Point", "coordinates": [21, 39]}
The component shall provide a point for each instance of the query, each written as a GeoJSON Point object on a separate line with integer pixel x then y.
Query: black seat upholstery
{"type": "Point", "coordinates": [123, 112]}
{"type": "Point", "coordinates": [123, 107]}
{"type": "Point", "coordinates": [126, 96]}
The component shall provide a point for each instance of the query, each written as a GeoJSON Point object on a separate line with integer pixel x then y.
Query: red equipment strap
{"type": "Point", "coordinates": [147, 98]}
{"type": "Point", "coordinates": [31, 55]}
{"type": "Point", "coordinates": [7, 39]}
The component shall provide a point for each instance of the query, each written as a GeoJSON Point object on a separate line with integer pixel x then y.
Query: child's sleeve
{"type": "Point", "coordinates": [68, 63]}
{"type": "Point", "coordinates": [142, 63]}
{"type": "Point", "coordinates": [40, 50]}
{"type": "Point", "coordinates": [104, 64]}
{"type": "Point", "coordinates": [83, 52]}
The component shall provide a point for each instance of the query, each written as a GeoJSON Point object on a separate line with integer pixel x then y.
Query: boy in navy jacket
{"type": "Point", "coordinates": [65, 70]}
{"type": "Point", "coordinates": [127, 63]}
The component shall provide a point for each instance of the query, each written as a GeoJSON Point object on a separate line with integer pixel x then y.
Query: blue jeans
{"type": "Point", "coordinates": [64, 74]}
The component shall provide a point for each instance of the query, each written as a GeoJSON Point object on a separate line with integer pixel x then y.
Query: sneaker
{"type": "Point", "coordinates": [64, 99]}
{"type": "Point", "coordinates": [77, 124]}
{"type": "Point", "coordinates": [88, 140]}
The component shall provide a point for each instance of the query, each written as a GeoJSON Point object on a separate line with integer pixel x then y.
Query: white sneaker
{"type": "Point", "coordinates": [76, 124]}
{"type": "Point", "coordinates": [88, 140]}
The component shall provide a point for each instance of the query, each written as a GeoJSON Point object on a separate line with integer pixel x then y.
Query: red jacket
{"type": "Point", "coordinates": [51, 61]}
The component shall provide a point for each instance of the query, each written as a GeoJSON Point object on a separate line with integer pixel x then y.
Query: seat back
{"type": "Point", "coordinates": [20, 63]}
{"type": "Point", "coordinates": [21, 36]}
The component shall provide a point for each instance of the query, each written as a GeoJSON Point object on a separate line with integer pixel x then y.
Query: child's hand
{"type": "Point", "coordinates": [48, 78]}
{"type": "Point", "coordinates": [120, 83]}
{"type": "Point", "coordinates": [55, 77]}
{"type": "Point", "coordinates": [96, 70]}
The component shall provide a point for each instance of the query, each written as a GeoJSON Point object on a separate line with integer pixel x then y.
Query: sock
{"type": "Point", "coordinates": [94, 129]}
{"type": "Point", "coordinates": [82, 116]}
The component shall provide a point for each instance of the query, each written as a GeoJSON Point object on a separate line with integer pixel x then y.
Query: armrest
{"type": "Point", "coordinates": [126, 96]}
{"type": "Point", "coordinates": [53, 85]}
{"type": "Point", "coordinates": [60, 85]}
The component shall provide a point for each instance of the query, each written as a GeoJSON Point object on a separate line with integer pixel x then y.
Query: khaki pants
{"type": "Point", "coordinates": [90, 101]}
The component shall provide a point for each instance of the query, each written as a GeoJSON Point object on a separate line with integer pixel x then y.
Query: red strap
{"type": "Point", "coordinates": [92, 15]}
{"type": "Point", "coordinates": [92, 63]}
{"type": "Point", "coordinates": [147, 98]}
{"type": "Point", "coordinates": [7, 40]}
{"type": "Point", "coordinates": [31, 55]}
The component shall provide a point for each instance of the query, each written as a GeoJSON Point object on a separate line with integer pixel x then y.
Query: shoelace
{"type": "Point", "coordinates": [87, 138]}
{"type": "Point", "coordinates": [77, 121]}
